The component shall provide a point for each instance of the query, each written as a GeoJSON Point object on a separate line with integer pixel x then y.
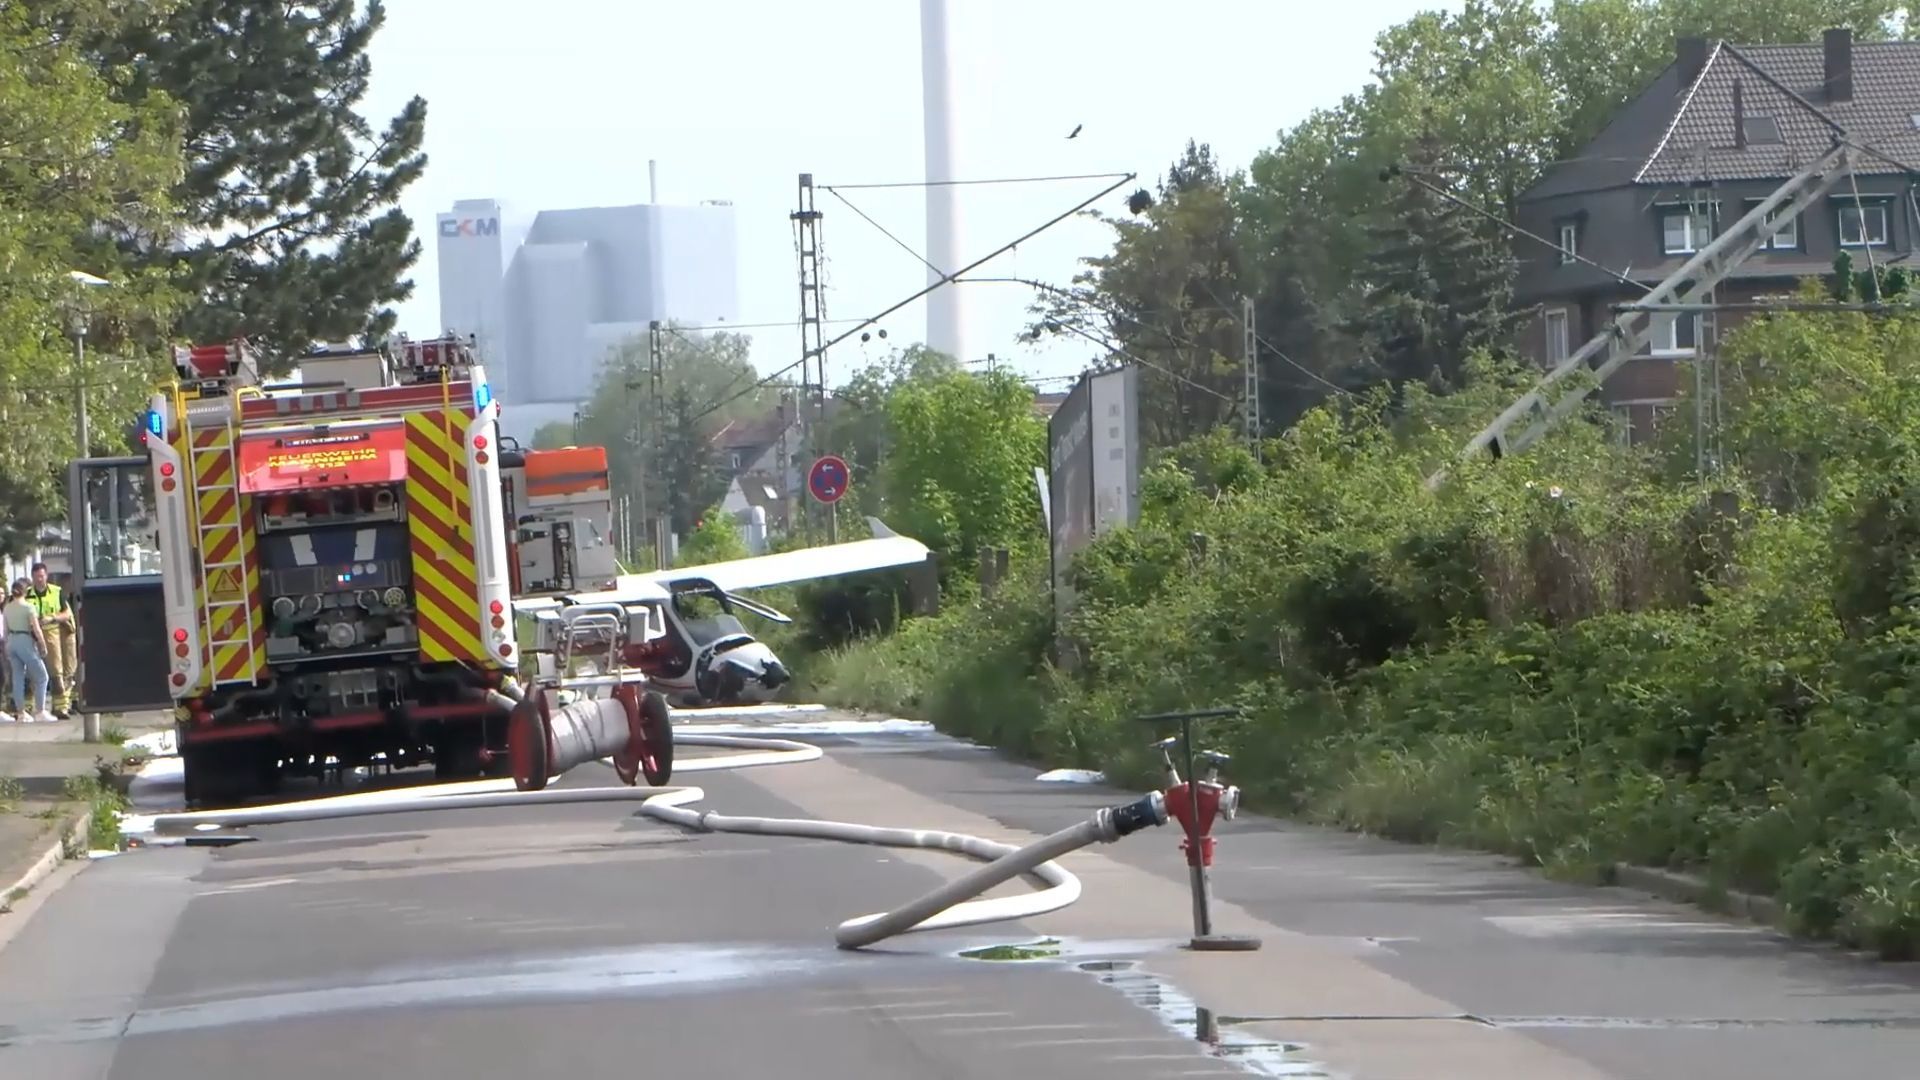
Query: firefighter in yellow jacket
{"type": "Point", "coordinates": [56, 625]}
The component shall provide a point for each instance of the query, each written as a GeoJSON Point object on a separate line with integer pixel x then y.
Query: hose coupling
{"type": "Point", "coordinates": [1129, 818]}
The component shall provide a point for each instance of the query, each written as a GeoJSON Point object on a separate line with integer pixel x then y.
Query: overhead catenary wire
{"type": "Point", "coordinates": [966, 183]}
{"type": "Point", "coordinates": [945, 280]}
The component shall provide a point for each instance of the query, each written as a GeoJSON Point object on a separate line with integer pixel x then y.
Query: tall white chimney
{"type": "Point", "coordinates": [943, 213]}
{"type": "Point", "coordinates": [653, 181]}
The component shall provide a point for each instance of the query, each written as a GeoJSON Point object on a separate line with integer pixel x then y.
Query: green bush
{"type": "Point", "coordinates": [1580, 655]}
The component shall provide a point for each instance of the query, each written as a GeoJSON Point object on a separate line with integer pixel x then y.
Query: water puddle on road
{"type": "Point", "coordinates": [621, 973]}
{"type": "Point", "coordinates": [1185, 1016]}
{"type": "Point", "coordinates": [1175, 1010]}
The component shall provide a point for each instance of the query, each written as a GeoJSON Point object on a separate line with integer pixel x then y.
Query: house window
{"type": "Point", "coordinates": [1785, 238]}
{"type": "Point", "coordinates": [1556, 323]}
{"type": "Point", "coordinates": [1675, 334]}
{"type": "Point", "coordinates": [1636, 422]}
{"type": "Point", "coordinates": [733, 461]}
{"type": "Point", "coordinates": [1569, 240]}
{"type": "Point", "coordinates": [1863, 225]}
{"type": "Point", "coordinates": [1683, 230]}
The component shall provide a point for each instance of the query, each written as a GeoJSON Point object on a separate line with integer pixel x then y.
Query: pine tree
{"type": "Point", "coordinates": [293, 235]}
{"type": "Point", "coordinates": [691, 480]}
{"type": "Point", "coordinates": [1441, 284]}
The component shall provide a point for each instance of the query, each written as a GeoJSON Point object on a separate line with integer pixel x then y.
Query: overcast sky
{"type": "Point", "coordinates": [735, 98]}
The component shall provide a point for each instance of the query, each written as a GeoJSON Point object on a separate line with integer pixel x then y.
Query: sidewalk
{"type": "Point", "coordinates": [37, 810]}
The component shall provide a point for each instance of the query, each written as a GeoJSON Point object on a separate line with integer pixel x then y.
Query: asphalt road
{"type": "Point", "coordinates": [572, 941]}
{"type": "Point", "coordinates": [1637, 987]}
{"type": "Point", "coordinates": [581, 941]}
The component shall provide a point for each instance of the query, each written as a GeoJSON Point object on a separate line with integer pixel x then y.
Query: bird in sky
{"type": "Point", "coordinates": [1075, 133]}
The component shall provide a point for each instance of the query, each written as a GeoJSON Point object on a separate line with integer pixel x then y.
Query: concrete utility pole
{"type": "Point", "coordinates": [656, 453]}
{"type": "Point", "coordinates": [1533, 415]}
{"type": "Point", "coordinates": [1250, 353]}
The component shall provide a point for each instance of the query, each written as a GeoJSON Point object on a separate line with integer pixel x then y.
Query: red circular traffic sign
{"type": "Point", "coordinates": [827, 480]}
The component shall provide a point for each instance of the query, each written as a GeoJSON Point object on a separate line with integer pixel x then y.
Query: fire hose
{"type": "Point", "coordinates": [591, 724]}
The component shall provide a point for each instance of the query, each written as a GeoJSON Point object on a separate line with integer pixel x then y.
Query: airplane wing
{"type": "Point", "coordinates": [886, 550]}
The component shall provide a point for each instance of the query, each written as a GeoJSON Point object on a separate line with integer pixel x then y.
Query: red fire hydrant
{"type": "Point", "coordinates": [1196, 804]}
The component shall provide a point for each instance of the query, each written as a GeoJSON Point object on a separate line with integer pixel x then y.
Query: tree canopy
{"type": "Point", "coordinates": [292, 231]}
{"type": "Point", "coordinates": [78, 166]}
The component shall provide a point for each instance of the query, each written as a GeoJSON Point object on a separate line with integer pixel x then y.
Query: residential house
{"type": "Point", "coordinates": [1720, 129]}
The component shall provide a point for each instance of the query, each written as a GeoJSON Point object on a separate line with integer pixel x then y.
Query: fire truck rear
{"type": "Point", "coordinates": [334, 565]}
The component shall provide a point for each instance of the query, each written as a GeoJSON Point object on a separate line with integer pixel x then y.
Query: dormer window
{"type": "Point", "coordinates": [1762, 131]}
{"type": "Point", "coordinates": [1569, 239]}
{"type": "Point", "coordinates": [1684, 230]}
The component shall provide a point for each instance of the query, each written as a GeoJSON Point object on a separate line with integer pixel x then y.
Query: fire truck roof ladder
{"type": "Point", "coordinates": [1622, 338]}
{"type": "Point", "coordinates": [223, 581]}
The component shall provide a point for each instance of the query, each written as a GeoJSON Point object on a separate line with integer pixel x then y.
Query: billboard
{"type": "Point", "coordinates": [1069, 486]}
{"type": "Point", "coordinates": [1094, 461]}
{"type": "Point", "coordinates": [1114, 405]}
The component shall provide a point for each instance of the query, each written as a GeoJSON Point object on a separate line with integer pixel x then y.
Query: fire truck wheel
{"type": "Point", "coordinates": [456, 754]}
{"type": "Point", "coordinates": [656, 760]}
{"type": "Point", "coordinates": [218, 776]}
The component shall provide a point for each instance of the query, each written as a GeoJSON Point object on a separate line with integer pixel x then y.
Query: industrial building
{"type": "Point", "coordinates": [551, 294]}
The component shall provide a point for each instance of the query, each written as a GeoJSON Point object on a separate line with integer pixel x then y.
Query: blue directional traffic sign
{"type": "Point", "coordinates": [827, 480]}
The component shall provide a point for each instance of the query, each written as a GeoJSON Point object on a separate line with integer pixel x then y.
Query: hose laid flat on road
{"type": "Point", "coordinates": [951, 905]}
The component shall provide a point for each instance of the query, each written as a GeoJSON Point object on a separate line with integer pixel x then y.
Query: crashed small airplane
{"type": "Point", "coordinates": [680, 627]}
{"type": "Point", "coordinates": [706, 656]}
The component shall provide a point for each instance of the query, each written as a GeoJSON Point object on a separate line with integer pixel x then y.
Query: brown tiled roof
{"type": "Point", "coordinates": [751, 433]}
{"type": "Point", "coordinates": [1680, 134]}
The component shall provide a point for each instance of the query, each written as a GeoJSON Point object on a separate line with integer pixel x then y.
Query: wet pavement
{"type": "Point", "coordinates": [1635, 986]}
{"type": "Point", "coordinates": [584, 941]}
{"type": "Point", "coordinates": [573, 940]}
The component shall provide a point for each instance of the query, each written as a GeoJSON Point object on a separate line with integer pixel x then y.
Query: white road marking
{"type": "Point", "coordinates": [919, 1017]}
{"type": "Point", "coordinates": [1602, 921]}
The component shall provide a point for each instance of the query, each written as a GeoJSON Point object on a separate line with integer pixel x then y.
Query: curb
{"type": "Point", "coordinates": [1689, 889]}
{"type": "Point", "coordinates": [73, 836]}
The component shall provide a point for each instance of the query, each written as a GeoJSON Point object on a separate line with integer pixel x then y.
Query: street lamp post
{"type": "Point", "coordinates": [77, 326]}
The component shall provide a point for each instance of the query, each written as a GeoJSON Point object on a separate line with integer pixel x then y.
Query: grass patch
{"type": "Point", "coordinates": [107, 803]}
{"type": "Point", "coordinates": [11, 792]}
{"type": "Point", "coordinates": [1038, 950]}
{"type": "Point", "coordinates": [114, 735]}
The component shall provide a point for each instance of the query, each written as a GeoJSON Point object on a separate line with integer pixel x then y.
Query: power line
{"type": "Point", "coordinates": [1514, 228]}
{"type": "Point", "coordinates": [771, 324]}
{"type": "Point", "coordinates": [964, 183]}
{"type": "Point", "coordinates": [946, 278]}
{"type": "Point", "coordinates": [904, 246]}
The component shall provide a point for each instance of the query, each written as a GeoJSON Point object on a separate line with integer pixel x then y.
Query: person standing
{"type": "Point", "coordinates": [56, 626]}
{"type": "Point", "coordinates": [26, 653]}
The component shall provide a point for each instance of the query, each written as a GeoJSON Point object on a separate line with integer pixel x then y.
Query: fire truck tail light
{"type": "Point", "coordinates": [179, 634]}
{"type": "Point", "coordinates": [179, 679]}
{"type": "Point", "coordinates": [506, 650]}
{"type": "Point", "coordinates": [496, 607]}
{"type": "Point", "coordinates": [479, 442]}
{"type": "Point", "coordinates": [166, 468]}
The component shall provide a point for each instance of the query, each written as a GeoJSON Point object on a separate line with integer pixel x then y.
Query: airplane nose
{"type": "Point", "coordinates": [775, 673]}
